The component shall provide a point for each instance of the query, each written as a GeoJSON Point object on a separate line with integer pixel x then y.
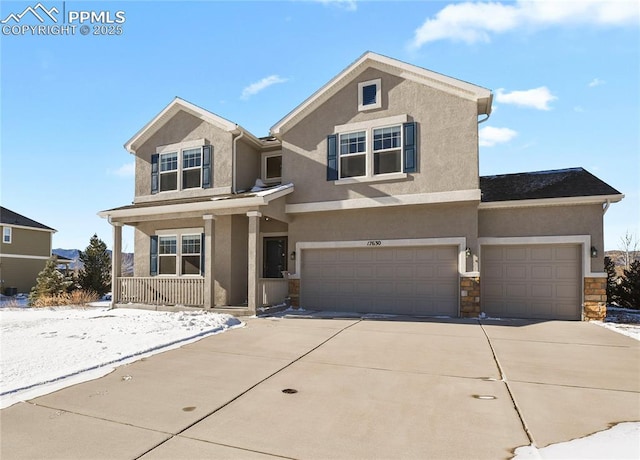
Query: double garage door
{"type": "Point", "coordinates": [407, 280]}
{"type": "Point", "coordinates": [531, 281]}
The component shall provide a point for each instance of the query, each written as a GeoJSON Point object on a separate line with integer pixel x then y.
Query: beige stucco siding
{"type": "Point", "coordinates": [401, 222]}
{"type": "Point", "coordinates": [184, 127]}
{"type": "Point", "coordinates": [546, 221]}
{"type": "Point", "coordinates": [447, 141]}
{"type": "Point", "coordinates": [27, 242]}
{"type": "Point", "coordinates": [248, 166]}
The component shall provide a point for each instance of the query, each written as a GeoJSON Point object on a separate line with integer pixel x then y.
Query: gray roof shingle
{"type": "Point", "coordinates": [560, 183]}
{"type": "Point", "coordinates": [9, 217]}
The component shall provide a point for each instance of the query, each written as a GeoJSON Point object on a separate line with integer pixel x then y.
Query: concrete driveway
{"type": "Point", "coordinates": [373, 388]}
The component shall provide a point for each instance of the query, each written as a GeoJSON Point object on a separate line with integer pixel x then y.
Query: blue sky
{"type": "Point", "coordinates": [565, 76]}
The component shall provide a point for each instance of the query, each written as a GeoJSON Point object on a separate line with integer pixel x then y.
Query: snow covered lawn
{"type": "Point", "coordinates": [46, 349]}
{"type": "Point", "coordinates": [622, 320]}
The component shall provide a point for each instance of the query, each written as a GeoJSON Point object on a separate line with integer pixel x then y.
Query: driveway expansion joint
{"type": "Point", "coordinates": [238, 396]}
{"type": "Point", "coordinates": [503, 378]}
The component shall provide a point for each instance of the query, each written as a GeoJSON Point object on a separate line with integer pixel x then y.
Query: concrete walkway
{"type": "Point", "coordinates": [384, 388]}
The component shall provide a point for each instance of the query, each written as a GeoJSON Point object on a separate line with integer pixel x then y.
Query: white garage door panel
{"type": "Point", "coordinates": [531, 281]}
{"type": "Point", "coordinates": [407, 280]}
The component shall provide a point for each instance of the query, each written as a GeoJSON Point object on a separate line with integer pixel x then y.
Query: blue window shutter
{"type": "Point", "coordinates": [153, 254]}
{"type": "Point", "coordinates": [410, 151]}
{"type": "Point", "coordinates": [332, 157]}
{"type": "Point", "coordinates": [369, 94]}
{"type": "Point", "coordinates": [202, 254]}
{"type": "Point", "coordinates": [154, 173]}
{"type": "Point", "coordinates": [207, 168]}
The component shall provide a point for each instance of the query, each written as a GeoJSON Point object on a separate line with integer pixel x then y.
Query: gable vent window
{"type": "Point", "coordinates": [369, 95]}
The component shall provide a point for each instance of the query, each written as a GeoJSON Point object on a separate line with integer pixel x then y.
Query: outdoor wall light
{"type": "Point", "coordinates": [467, 252]}
{"type": "Point", "coordinates": [594, 252]}
{"type": "Point", "coordinates": [293, 255]}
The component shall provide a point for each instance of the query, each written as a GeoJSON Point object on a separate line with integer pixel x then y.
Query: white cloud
{"type": "Point", "coordinates": [349, 5]}
{"type": "Point", "coordinates": [255, 88]}
{"type": "Point", "coordinates": [490, 136]}
{"type": "Point", "coordinates": [473, 22]}
{"type": "Point", "coordinates": [126, 170]}
{"type": "Point", "coordinates": [578, 109]}
{"type": "Point", "coordinates": [537, 98]}
{"type": "Point", "coordinates": [596, 82]}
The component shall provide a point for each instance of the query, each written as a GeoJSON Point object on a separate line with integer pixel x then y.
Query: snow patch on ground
{"type": "Point", "coordinates": [619, 442]}
{"type": "Point", "coordinates": [622, 320]}
{"type": "Point", "coordinates": [46, 349]}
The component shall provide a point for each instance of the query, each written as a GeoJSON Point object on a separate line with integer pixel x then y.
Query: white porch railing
{"type": "Point", "coordinates": [157, 290]}
{"type": "Point", "coordinates": [273, 290]}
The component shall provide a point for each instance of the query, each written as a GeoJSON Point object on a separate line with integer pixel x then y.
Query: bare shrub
{"type": "Point", "coordinates": [78, 298]}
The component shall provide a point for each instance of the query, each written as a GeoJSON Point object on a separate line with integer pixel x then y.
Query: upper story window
{"type": "Point", "coordinates": [6, 235]}
{"type": "Point", "coordinates": [181, 167]}
{"type": "Point", "coordinates": [370, 94]}
{"type": "Point", "coordinates": [271, 167]}
{"type": "Point", "coordinates": [380, 149]}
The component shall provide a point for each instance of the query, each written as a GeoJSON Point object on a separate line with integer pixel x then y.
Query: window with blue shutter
{"type": "Point", "coordinates": [153, 254]}
{"type": "Point", "coordinates": [202, 256]}
{"type": "Point", "coordinates": [154, 173]}
{"type": "Point", "coordinates": [332, 157]}
{"type": "Point", "coordinates": [207, 168]}
{"type": "Point", "coordinates": [410, 150]}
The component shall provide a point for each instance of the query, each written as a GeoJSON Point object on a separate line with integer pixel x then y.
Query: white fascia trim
{"type": "Point", "coordinates": [180, 231]}
{"type": "Point", "coordinates": [19, 256]}
{"type": "Point", "coordinates": [50, 230]}
{"type": "Point", "coordinates": [574, 200]}
{"type": "Point", "coordinates": [174, 107]}
{"type": "Point", "coordinates": [583, 240]}
{"type": "Point", "coordinates": [384, 201]}
{"type": "Point", "coordinates": [207, 205]}
{"type": "Point", "coordinates": [401, 69]}
{"type": "Point", "coordinates": [460, 242]}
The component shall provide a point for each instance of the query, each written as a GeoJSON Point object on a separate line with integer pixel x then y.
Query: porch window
{"type": "Point", "coordinates": [167, 255]}
{"type": "Point", "coordinates": [190, 254]}
{"type": "Point", "coordinates": [177, 252]}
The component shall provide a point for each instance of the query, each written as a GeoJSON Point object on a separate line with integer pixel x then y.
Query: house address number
{"type": "Point", "coordinates": [374, 243]}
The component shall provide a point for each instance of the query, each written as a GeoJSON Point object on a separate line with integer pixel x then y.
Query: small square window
{"type": "Point", "coordinates": [370, 95]}
{"type": "Point", "coordinates": [271, 167]}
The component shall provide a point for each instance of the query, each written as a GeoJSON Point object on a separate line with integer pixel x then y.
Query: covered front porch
{"type": "Point", "coordinates": [222, 253]}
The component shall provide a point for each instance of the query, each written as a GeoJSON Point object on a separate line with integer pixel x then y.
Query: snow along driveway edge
{"type": "Point", "coordinates": [168, 332]}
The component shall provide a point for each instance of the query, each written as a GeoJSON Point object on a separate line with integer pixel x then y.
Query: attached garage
{"type": "Point", "coordinates": [541, 281]}
{"type": "Point", "coordinates": [420, 280]}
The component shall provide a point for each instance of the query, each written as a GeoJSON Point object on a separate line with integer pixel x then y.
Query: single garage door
{"type": "Point", "coordinates": [531, 281]}
{"type": "Point", "coordinates": [408, 280]}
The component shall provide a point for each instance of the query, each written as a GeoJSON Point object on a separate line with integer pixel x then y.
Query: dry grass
{"type": "Point", "coordinates": [76, 298]}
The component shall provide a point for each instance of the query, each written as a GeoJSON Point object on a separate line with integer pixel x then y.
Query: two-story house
{"type": "Point", "coordinates": [366, 197]}
{"type": "Point", "coordinates": [24, 251]}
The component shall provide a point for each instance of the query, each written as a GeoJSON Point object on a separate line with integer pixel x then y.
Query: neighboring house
{"type": "Point", "coordinates": [367, 199]}
{"type": "Point", "coordinates": [24, 251]}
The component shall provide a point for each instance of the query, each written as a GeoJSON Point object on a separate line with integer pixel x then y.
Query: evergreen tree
{"type": "Point", "coordinates": [630, 287]}
{"type": "Point", "coordinates": [50, 282]}
{"type": "Point", "coordinates": [96, 273]}
{"type": "Point", "coordinates": [612, 281]}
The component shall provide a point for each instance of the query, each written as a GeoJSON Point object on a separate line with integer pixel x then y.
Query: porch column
{"type": "Point", "coordinates": [252, 285]}
{"type": "Point", "coordinates": [116, 262]}
{"type": "Point", "coordinates": [209, 266]}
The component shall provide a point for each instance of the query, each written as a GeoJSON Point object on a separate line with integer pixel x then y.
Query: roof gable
{"type": "Point", "coordinates": [561, 183]}
{"type": "Point", "coordinates": [482, 96]}
{"type": "Point", "coordinates": [180, 105]}
{"type": "Point", "coordinates": [9, 217]}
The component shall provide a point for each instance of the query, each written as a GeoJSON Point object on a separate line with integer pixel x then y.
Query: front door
{"type": "Point", "coordinates": [274, 256]}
